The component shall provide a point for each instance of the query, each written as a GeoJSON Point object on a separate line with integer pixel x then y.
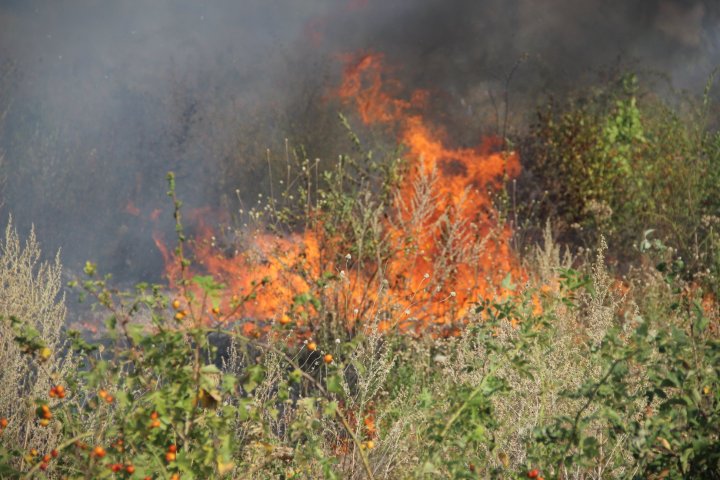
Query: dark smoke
{"type": "Point", "coordinates": [98, 100]}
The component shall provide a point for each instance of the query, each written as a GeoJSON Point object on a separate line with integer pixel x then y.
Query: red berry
{"type": "Point", "coordinates": [130, 469]}
{"type": "Point", "coordinates": [54, 453]}
{"type": "Point", "coordinates": [172, 448]}
{"type": "Point", "coordinates": [533, 473]}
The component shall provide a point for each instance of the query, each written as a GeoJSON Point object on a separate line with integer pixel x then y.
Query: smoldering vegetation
{"type": "Point", "coordinates": [99, 100]}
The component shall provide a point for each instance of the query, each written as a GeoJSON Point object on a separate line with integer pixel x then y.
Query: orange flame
{"type": "Point", "coordinates": [447, 248]}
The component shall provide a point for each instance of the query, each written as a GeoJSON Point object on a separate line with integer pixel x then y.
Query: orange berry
{"type": "Point", "coordinates": [176, 304]}
{"type": "Point", "coordinates": [53, 392]}
{"type": "Point", "coordinates": [130, 469]}
{"type": "Point", "coordinates": [44, 422]}
{"type": "Point", "coordinates": [148, 478]}
{"type": "Point", "coordinates": [172, 448]}
{"type": "Point", "coordinates": [284, 320]}
{"type": "Point", "coordinates": [328, 358]}
{"type": "Point", "coordinates": [44, 408]}
{"type": "Point", "coordinates": [109, 399]}
{"type": "Point", "coordinates": [102, 393]}
{"type": "Point", "coordinates": [175, 476]}
{"type": "Point", "coordinates": [154, 415]}
{"type": "Point", "coordinates": [179, 316]}
{"type": "Point", "coordinates": [99, 451]}
{"type": "Point", "coordinates": [59, 389]}
{"type": "Point", "coordinates": [4, 422]}
{"type": "Point", "coordinates": [46, 458]}
{"type": "Point", "coordinates": [216, 310]}
{"type": "Point", "coordinates": [170, 457]}
{"type": "Point", "coordinates": [312, 346]}
{"type": "Point", "coordinates": [47, 415]}
{"type": "Point", "coordinates": [54, 453]}
{"type": "Point", "coordinates": [155, 424]}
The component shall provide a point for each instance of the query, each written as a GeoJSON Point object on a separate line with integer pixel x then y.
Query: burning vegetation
{"type": "Point", "coordinates": [454, 298]}
{"type": "Point", "coordinates": [443, 244]}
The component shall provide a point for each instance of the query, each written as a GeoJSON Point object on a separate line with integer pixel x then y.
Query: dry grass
{"type": "Point", "coordinates": [29, 290]}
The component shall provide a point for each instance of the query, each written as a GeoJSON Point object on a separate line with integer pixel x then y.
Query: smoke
{"type": "Point", "coordinates": [98, 100]}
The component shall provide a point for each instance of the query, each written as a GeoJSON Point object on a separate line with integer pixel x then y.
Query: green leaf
{"type": "Point", "coordinates": [333, 383]}
{"type": "Point", "coordinates": [90, 268]}
{"type": "Point", "coordinates": [507, 283]}
{"type": "Point", "coordinates": [253, 376]}
{"type": "Point", "coordinates": [330, 409]}
{"type": "Point", "coordinates": [135, 332]}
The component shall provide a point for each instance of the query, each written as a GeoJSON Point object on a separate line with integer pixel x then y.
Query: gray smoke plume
{"type": "Point", "coordinates": [98, 100]}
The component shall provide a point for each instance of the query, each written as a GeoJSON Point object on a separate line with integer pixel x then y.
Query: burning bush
{"type": "Point", "coordinates": [426, 227]}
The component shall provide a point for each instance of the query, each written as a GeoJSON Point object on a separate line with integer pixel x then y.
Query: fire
{"type": "Point", "coordinates": [447, 247]}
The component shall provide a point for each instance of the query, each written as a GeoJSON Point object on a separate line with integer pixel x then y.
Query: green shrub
{"type": "Point", "coordinates": [621, 160]}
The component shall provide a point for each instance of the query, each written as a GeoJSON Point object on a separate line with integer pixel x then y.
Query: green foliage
{"type": "Point", "coordinates": [667, 420]}
{"type": "Point", "coordinates": [620, 160]}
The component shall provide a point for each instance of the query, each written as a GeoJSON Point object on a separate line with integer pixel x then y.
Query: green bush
{"type": "Point", "coordinates": [621, 160]}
